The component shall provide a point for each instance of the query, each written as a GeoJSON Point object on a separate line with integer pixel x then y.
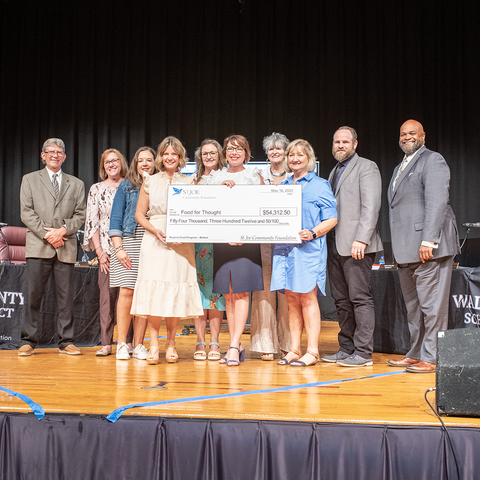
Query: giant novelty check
{"type": "Point", "coordinates": [242, 214]}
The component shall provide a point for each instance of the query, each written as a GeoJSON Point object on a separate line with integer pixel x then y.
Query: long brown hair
{"type": "Point", "coordinates": [136, 179]}
{"type": "Point", "coordinates": [198, 157]}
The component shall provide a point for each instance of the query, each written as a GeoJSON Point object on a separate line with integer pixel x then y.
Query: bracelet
{"type": "Point", "coordinates": [101, 255]}
{"type": "Point", "coordinates": [118, 248]}
{"type": "Point", "coordinates": [96, 248]}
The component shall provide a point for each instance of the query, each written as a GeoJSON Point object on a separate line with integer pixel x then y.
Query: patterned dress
{"type": "Point", "coordinates": [204, 263]}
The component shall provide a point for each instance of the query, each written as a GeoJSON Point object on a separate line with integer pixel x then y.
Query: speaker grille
{"type": "Point", "coordinates": [458, 372]}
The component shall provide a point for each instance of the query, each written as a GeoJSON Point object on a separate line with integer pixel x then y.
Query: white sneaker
{"type": "Point", "coordinates": [140, 352]}
{"type": "Point", "coordinates": [122, 352]}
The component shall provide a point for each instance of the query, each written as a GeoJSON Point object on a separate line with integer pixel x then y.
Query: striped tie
{"type": "Point", "coordinates": [55, 184]}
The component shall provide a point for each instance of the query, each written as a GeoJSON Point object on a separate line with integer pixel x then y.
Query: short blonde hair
{"type": "Point", "coordinates": [307, 150]}
{"type": "Point", "coordinates": [101, 169]}
{"type": "Point", "coordinates": [176, 144]}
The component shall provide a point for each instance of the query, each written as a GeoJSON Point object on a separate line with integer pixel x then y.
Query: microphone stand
{"type": "Point", "coordinates": [465, 239]}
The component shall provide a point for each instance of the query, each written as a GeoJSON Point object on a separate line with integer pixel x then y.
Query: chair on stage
{"type": "Point", "coordinates": [12, 244]}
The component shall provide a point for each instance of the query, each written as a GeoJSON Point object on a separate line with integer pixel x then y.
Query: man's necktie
{"type": "Point", "coordinates": [400, 170]}
{"type": "Point", "coordinates": [55, 184]}
{"type": "Point", "coordinates": [335, 176]}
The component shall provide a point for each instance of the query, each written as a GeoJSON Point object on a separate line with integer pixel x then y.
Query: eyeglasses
{"type": "Point", "coordinates": [111, 162]}
{"type": "Point", "coordinates": [209, 154]}
{"type": "Point", "coordinates": [235, 149]}
{"type": "Point", "coordinates": [54, 153]}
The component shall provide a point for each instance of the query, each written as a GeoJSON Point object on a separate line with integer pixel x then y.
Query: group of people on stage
{"type": "Point", "coordinates": [145, 278]}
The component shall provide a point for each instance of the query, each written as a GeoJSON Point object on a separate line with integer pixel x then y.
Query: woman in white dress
{"type": "Point", "coordinates": [209, 157]}
{"type": "Point", "coordinates": [167, 281]}
{"type": "Point", "coordinates": [269, 316]}
{"type": "Point", "coordinates": [237, 267]}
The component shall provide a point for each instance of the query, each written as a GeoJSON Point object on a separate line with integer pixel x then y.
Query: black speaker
{"type": "Point", "coordinates": [458, 372]}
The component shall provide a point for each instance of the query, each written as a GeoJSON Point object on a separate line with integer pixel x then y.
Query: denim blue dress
{"type": "Point", "coordinates": [299, 267]}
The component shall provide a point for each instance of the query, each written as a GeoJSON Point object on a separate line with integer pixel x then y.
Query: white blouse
{"type": "Point", "coordinates": [248, 176]}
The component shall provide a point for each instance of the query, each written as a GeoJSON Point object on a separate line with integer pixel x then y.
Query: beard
{"type": "Point", "coordinates": [411, 147]}
{"type": "Point", "coordinates": [341, 155]}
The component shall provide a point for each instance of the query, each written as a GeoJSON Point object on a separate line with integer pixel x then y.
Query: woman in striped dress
{"type": "Point", "coordinates": [126, 236]}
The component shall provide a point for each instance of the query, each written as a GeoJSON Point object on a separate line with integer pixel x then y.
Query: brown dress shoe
{"type": "Point", "coordinates": [404, 362]}
{"type": "Point", "coordinates": [70, 350]}
{"type": "Point", "coordinates": [422, 367]}
{"type": "Point", "coordinates": [26, 351]}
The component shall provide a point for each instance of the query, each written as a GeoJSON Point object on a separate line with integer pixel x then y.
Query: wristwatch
{"type": "Point", "coordinates": [314, 234]}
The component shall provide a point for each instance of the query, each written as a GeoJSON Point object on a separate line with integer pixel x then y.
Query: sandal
{"type": "Point", "coordinates": [153, 355]}
{"type": "Point", "coordinates": [104, 351]}
{"type": "Point", "coordinates": [200, 354]}
{"type": "Point", "coordinates": [268, 357]}
{"type": "Point", "coordinates": [171, 353]}
{"type": "Point", "coordinates": [214, 354]}
{"type": "Point", "coordinates": [284, 360]}
{"type": "Point", "coordinates": [300, 363]}
{"type": "Point", "coordinates": [241, 357]}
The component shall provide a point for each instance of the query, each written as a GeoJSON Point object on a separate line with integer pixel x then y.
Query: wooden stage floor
{"type": "Point", "coordinates": [86, 384]}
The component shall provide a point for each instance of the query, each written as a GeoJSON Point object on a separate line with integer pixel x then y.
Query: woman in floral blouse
{"type": "Point", "coordinates": [113, 170]}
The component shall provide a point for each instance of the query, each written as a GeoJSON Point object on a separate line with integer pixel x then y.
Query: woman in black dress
{"type": "Point", "coordinates": [237, 267]}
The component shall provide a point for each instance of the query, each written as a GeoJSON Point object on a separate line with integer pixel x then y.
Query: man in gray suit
{"type": "Point", "coordinates": [357, 186]}
{"type": "Point", "coordinates": [424, 242]}
{"type": "Point", "coordinates": [53, 209]}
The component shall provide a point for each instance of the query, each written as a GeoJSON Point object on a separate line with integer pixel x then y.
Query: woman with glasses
{"type": "Point", "coordinates": [237, 267]}
{"type": "Point", "coordinates": [113, 169]}
{"type": "Point", "coordinates": [269, 317]}
{"type": "Point", "coordinates": [300, 269]}
{"type": "Point", "coordinates": [167, 281]}
{"type": "Point", "coordinates": [126, 236]}
{"type": "Point", "coordinates": [209, 157]}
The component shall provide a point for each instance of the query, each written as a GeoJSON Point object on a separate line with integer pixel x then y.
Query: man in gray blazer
{"type": "Point", "coordinates": [53, 208]}
{"type": "Point", "coordinates": [357, 186]}
{"type": "Point", "coordinates": [424, 242]}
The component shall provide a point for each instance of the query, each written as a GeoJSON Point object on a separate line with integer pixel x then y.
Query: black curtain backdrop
{"type": "Point", "coordinates": [123, 74]}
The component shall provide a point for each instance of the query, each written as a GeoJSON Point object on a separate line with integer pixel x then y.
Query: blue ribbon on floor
{"type": "Point", "coordinates": [36, 408]}
{"type": "Point", "coordinates": [117, 413]}
{"type": "Point", "coordinates": [164, 336]}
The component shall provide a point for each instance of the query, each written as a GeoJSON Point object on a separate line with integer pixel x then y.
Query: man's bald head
{"type": "Point", "coordinates": [412, 137]}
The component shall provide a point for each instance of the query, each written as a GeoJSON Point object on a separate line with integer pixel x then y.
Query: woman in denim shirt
{"type": "Point", "coordinates": [126, 236]}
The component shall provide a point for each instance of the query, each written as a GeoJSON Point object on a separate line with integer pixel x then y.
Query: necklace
{"type": "Point", "coordinates": [277, 174]}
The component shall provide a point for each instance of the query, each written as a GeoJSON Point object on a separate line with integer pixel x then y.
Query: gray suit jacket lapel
{"type": "Point", "coordinates": [404, 174]}
{"type": "Point", "coordinates": [63, 189]}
